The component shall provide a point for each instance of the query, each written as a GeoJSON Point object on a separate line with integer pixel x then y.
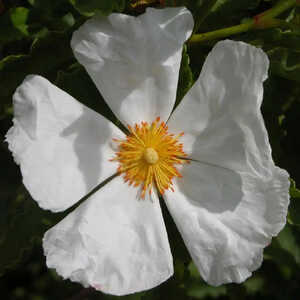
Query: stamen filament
{"type": "Point", "coordinates": [148, 156]}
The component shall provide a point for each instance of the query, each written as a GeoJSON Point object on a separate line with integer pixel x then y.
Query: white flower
{"type": "Point", "coordinates": [231, 198]}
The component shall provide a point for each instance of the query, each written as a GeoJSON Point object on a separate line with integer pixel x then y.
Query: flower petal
{"type": "Point", "coordinates": [221, 117]}
{"type": "Point", "coordinates": [233, 199]}
{"type": "Point", "coordinates": [134, 61]}
{"type": "Point", "coordinates": [62, 146]}
{"type": "Point", "coordinates": [226, 218]}
{"type": "Point", "coordinates": [112, 242]}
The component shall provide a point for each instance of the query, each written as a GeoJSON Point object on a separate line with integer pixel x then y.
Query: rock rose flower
{"type": "Point", "coordinates": [210, 159]}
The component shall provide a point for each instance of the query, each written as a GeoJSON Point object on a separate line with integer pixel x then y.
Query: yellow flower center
{"type": "Point", "coordinates": [151, 156]}
{"type": "Point", "coordinates": [148, 155]}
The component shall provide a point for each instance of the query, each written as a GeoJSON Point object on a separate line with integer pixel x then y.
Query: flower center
{"type": "Point", "coordinates": [148, 155]}
{"type": "Point", "coordinates": [151, 156]}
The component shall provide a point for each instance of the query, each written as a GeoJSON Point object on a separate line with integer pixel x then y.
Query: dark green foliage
{"type": "Point", "coordinates": [88, 8]}
{"type": "Point", "coordinates": [48, 53]}
{"type": "Point", "coordinates": [228, 13]}
{"type": "Point", "coordinates": [13, 24]}
{"type": "Point", "coordinates": [35, 39]}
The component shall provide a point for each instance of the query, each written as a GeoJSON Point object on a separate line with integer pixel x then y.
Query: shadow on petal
{"type": "Point", "coordinates": [89, 134]}
{"type": "Point", "coordinates": [213, 188]}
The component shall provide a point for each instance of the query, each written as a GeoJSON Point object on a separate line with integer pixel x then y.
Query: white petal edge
{"type": "Point", "coordinates": [112, 242]}
{"type": "Point", "coordinates": [135, 61]}
{"type": "Point", "coordinates": [220, 115]}
{"type": "Point", "coordinates": [63, 148]}
{"type": "Point", "coordinates": [226, 218]}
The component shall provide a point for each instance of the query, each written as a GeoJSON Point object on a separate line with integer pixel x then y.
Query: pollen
{"type": "Point", "coordinates": [149, 155]}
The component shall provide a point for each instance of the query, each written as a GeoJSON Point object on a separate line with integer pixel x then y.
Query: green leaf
{"type": "Point", "coordinates": [27, 225]}
{"type": "Point", "coordinates": [48, 54]}
{"type": "Point", "coordinates": [200, 9]}
{"type": "Point", "coordinates": [105, 7]}
{"type": "Point", "coordinates": [234, 6]}
{"type": "Point", "coordinates": [228, 12]}
{"type": "Point", "coordinates": [294, 192]}
{"type": "Point", "coordinates": [67, 20]}
{"type": "Point", "coordinates": [8, 188]}
{"type": "Point", "coordinates": [19, 16]}
{"type": "Point", "coordinates": [185, 80]}
{"type": "Point", "coordinates": [201, 12]}
{"type": "Point", "coordinates": [287, 240]}
{"type": "Point", "coordinates": [201, 291]}
{"type": "Point", "coordinates": [285, 251]}
{"type": "Point", "coordinates": [273, 38]}
{"type": "Point", "coordinates": [55, 15]}
{"type": "Point", "coordinates": [285, 63]}
{"type": "Point", "coordinates": [13, 24]}
{"type": "Point", "coordinates": [197, 288]}
{"type": "Point", "coordinates": [294, 212]}
{"type": "Point", "coordinates": [254, 284]}
{"type": "Point", "coordinates": [12, 72]}
{"type": "Point", "coordinates": [294, 207]}
{"type": "Point", "coordinates": [22, 222]}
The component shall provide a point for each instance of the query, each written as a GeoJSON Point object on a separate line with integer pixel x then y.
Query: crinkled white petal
{"type": "Point", "coordinates": [232, 199]}
{"type": "Point", "coordinates": [221, 117]}
{"type": "Point", "coordinates": [112, 242]}
{"type": "Point", "coordinates": [226, 218]}
{"type": "Point", "coordinates": [135, 61]}
{"type": "Point", "coordinates": [63, 147]}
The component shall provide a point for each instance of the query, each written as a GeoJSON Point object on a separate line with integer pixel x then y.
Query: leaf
{"type": "Point", "coordinates": [48, 54]}
{"type": "Point", "coordinates": [273, 38]}
{"type": "Point", "coordinates": [285, 250]}
{"type": "Point", "coordinates": [19, 16]}
{"type": "Point", "coordinates": [254, 284]}
{"type": "Point", "coordinates": [22, 222]}
{"type": "Point", "coordinates": [201, 12]}
{"type": "Point", "coordinates": [234, 6]}
{"type": "Point", "coordinates": [185, 80]}
{"type": "Point", "coordinates": [228, 12]}
{"type": "Point", "coordinates": [200, 291]}
{"type": "Point", "coordinates": [294, 192]}
{"type": "Point", "coordinates": [54, 15]}
{"type": "Point", "coordinates": [105, 7]}
{"type": "Point", "coordinates": [8, 190]}
{"type": "Point", "coordinates": [197, 288]}
{"type": "Point", "coordinates": [294, 212]}
{"type": "Point", "coordinates": [27, 225]}
{"type": "Point", "coordinates": [285, 63]}
{"type": "Point", "coordinates": [285, 39]}
{"type": "Point", "coordinates": [288, 241]}
{"type": "Point", "coordinates": [200, 9]}
{"type": "Point", "coordinates": [294, 207]}
{"type": "Point", "coordinates": [135, 296]}
{"type": "Point", "coordinates": [13, 24]}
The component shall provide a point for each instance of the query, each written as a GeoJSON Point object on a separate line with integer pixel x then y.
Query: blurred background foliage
{"type": "Point", "coordinates": [35, 39]}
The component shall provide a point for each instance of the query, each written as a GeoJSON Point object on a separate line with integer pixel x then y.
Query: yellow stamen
{"type": "Point", "coordinates": [148, 155]}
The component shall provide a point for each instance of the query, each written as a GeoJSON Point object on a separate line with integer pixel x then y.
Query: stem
{"type": "Point", "coordinates": [263, 20]}
{"type": "Point", "coordinates": [281, 6]}
{"type": "Point", "coordinates": [202, 37]}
